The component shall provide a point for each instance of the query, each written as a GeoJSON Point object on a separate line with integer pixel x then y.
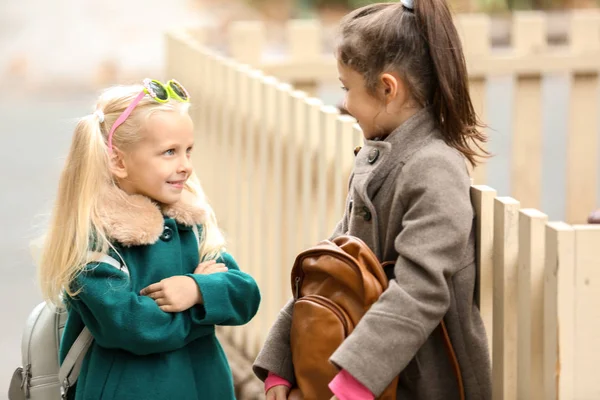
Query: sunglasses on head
{"type": "Point", "coordinates": [163, 92]}
{"type": "Point", "coordinates": [159, 91]}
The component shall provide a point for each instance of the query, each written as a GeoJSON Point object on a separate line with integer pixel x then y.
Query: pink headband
{"type": "Point", "coordinates": [122, 118]}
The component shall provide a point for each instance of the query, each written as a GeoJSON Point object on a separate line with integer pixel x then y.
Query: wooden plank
{"type": "Point", "coordinates": [559, 312]}
{"type": "Point", "coordinates": [483, 203]}
{"type": "Point", "coordinates": [582, 152]}
{"type": "Point", "coordinates": [529, 32]}
{"type": "Point", "coordinates": [529, 37]}
{"type": "Point", "coordinates": [324, 154]}
{"type": "Point", "coordinates": [530, 283]}
{"type": "Point", "coordinates": [310, 144]}
{"type": "Point", "coordinates": [344, 160]}
{"type": "Point", "coordinates": [280, 278]}
{"type": "Point", "coordinates": [477, 88]}
{"type": "Point", "coordinates": [506, 249]}
{"type": "Point", "coordinates": [587, 311]}
{"type": "Point", "coordinates": [293, 179]}
{"type": "Point", "coordinates": [251, 239]}
{"type": "Point", "coordinates": [236, 235]}
{"type": "Point", "coordinates": [304, 39]}
{"type": "Point", "coordinates": [209, 135]}
{"type": "Point", "coordinates": [247, 41]}
{"type": "Point", "coordinates": [220, 197]}
{"type": "Point", "coordinates": [526, 166]}
{"type": "Point", "coordinates": [583, 31]}
{"type": "Point", "coordinates": [264, 206]}
{"type": "Point", "coordinates": [474, 31]}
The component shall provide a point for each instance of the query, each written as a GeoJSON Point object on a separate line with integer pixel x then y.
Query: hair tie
{"type": "Point", "coordinates": [410, 4]}
{"type": "Point", "coordinates": [100, 115]}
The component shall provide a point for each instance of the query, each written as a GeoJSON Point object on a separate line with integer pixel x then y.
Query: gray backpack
{"type": "Point", "coordinates": [40, 377]}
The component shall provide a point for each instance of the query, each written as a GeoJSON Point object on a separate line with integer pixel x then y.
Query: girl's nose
{"type": "Point", "coordinates": [186, 165]}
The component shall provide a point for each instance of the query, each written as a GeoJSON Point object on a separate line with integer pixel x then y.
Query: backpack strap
{"type": "Point", "coordinates": [98, 257]}
{"type": "Point", "coordinates": [71, 366]}
{"type": "Point", "coordinates": [453, 360]}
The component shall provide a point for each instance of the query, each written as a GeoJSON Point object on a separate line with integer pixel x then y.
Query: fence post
{"type": "Point", "coordinates": [530, 283]}
{"type": "Point", "coordinates": [474, 30]}
{"type": "Point", "coordinates": [304, 38]}
{"type": "Point", "coordinates": [310, 139]}
{"type": "Point", "coordinates": [247, 42]}
{"type": "Point", "coordinates": [529, 38]}
{"type": "Point", "coordinates": [483, 202]}
{"type": "Point", "coordinates": [559, 312]}
{"type": "Point", "coordinates": [582, 153]}
{"type": "Point", "coordinates": [344, 160]}
{"type": "Point", "coordinates": [506, 251]}
{"type": "Point", "coordinates": [282, 134]}
{"type": "Point", "coordinates": [587, 311]}
{"type": "Point", "coordinates": [265, 207]}
{"type": "Point", "coordinates": [325, 180]}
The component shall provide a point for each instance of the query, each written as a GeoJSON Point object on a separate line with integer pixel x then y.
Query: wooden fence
{"type": "Point", "coordinates": [275, 163]}
{"type": "Point", "coordinates": [530, 57]}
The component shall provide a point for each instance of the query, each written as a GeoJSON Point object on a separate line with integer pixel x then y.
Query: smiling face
{"type": "Point", "coordinates": [159, 164]}
{"type": "Point", "coordinates": [359, 102]}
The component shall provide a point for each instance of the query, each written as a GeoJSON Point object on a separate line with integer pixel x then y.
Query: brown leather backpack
{"type": "Point", "coordinates": [334, 284]}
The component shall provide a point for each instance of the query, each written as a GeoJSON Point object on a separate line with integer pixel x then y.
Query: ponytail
{"type": "Point", "coordinates": [75, 227]}
{"type": "Point", "coordinates": [450, 99]}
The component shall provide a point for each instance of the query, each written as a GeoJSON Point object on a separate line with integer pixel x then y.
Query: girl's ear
{"type": "Point", "coordinates": [117, 164]}
{"type": "Point", "coordinates": [393, 88]}
{"type": "Point", "coordinates": [389, 86]}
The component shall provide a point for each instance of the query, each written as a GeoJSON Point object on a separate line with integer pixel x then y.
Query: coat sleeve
{"type": "Point", "coordinates": [229, 298]}
{"type": "Point", "coordinates": [118, 318]}
{"type": "Point", "coordinates": [276, 354]}
{"type": "Point", "coordinates": [432, 245]}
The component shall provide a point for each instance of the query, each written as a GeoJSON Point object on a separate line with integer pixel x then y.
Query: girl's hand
{"type": "Point", "coordinates": [209, 267]}
{"type": "Point", "coordinates": [278, 392]}
{"type": "Point", "coordinates": [174, 294]}
{"type": "Point", "coordinates": [334, 398]}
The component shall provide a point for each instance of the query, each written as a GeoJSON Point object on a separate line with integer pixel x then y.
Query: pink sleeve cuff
{"type": "Point", "coordinates": [346, 387]}
{"type": "Point", "coordinates": [275, 380]}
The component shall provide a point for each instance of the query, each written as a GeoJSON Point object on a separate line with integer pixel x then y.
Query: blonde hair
{"type": "Point", "coordinates": [76, 225]}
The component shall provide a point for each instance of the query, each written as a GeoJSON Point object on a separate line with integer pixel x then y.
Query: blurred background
{"type": "Point", "coordinates": [56, 56]}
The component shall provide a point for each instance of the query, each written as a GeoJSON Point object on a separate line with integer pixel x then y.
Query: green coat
{"type": "Point", "coordinates": [139, 351]}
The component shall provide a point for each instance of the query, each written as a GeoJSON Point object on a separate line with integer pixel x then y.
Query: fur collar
{"type": "Point", "coordinates": [134, 220]}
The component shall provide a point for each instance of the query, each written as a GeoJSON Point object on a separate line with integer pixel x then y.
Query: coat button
{"type": "Point", "coordinates": [367, 215]}
{"type": "Point", "coordinates": [167, 234]}
{"type": "Point", "coordinates": [373, 156]}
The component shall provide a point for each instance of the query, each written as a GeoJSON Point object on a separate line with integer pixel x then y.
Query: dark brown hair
{"type": "Point", "coordinates": [423, 46]}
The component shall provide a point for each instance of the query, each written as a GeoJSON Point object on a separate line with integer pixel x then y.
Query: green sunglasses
{"type": "Point", "coordinates": [163, 92]}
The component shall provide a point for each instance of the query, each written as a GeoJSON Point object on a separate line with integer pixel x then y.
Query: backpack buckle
{"type": "Point", "coordinates": [64, 389]}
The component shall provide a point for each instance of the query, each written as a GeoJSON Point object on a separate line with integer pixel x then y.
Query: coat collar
{"type": "Point", "coordinates": [134, 220]}
{"type": "Point", "coordinates": [399, 145]}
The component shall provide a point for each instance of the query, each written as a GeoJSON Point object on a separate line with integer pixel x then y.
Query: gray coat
{"type": "Point", "coordinates": [409, 201]}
